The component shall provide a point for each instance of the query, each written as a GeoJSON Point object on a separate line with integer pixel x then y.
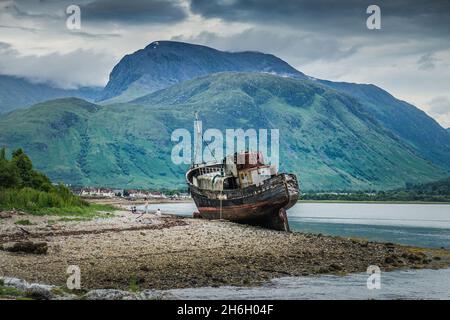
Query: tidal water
{"type": "Point", "coordinates": [426, 225]}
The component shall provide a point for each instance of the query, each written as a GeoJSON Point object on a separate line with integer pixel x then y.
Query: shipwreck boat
{"type": "Point", "coordinates": [243, 189]}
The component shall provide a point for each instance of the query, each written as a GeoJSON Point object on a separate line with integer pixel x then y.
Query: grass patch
{"type": "Point", "coordinates": [82, 218]}
{"type": "Point", "coordinates": [61, 291]}
{"type": "Point", "coordinates": [25, 222]}
{"type": "Point", "coordinates": [10, 291]}
{"type": "Point", "coordinates": [55, 202]}
{"type": "Point", "coordinates": [133, 285]}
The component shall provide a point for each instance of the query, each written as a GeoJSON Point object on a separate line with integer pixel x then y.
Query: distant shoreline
{"type": "Point", "coordinates": [125, 202]}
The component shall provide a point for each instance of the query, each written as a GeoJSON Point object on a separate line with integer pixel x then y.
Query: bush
{"type": "Point", "coordinates": [18, 172]}
{"type": "Point", "coordinates": [31, 199]}
{"type": "Point", "coordinates": [25, 189]}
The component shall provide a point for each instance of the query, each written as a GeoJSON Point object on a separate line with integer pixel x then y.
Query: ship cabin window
{"type": "Point", "coordinates": [230, 183]}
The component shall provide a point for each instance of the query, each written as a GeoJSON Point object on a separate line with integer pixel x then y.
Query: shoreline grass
{"type": "Point", "coordinates": [60, 202]}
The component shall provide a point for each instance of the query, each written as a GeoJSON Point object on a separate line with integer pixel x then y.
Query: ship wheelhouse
{"type": "Point", "coordinates": [237, 171]}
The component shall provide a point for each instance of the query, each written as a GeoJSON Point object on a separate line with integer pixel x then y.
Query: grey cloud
{"type": "Point", "coordinates": [84, 34]}
{"type": "Point", "coordinates": [427, 62]}
{"type": "Point", "coordinates": [71, 70]}
{"type": "Point", "coordinates": [134, 12]}
{"type": "Point", "coordinates": [295, 48]}
{"type": "Point", "coordinates": [409, 18]}
{"type": "Point", "coordinates": [19, 28]}
{"type": "Point", "coordinates": [4, 46]}
{"type": "Point", "coordinates": [440, 106]}
{"type": "Point", "coordinates": [27, 9]}
{"type": "Point", "coordinates": [102, 11]}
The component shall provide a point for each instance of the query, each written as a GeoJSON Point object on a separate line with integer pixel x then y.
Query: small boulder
{"type": "Point", "coordinates": [5, 215]}
{"type": "Point", "coordinates": [151, 294]}
{"type": "Point", "coordinates": [19, 284]}
{"type": "Point", "coordinates": [335, 267]}
{"type": "Point", "coordinates": [27, 247]}
{"type": "Point", "coordinates": [364, 244]}
{"type": "Point", "coordinates": [110, 294]}
{"type": "Point", "coordinates": [39, 292]}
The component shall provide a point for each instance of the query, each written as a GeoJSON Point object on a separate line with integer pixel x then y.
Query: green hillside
{"type": "Point", "coordinates": [409, 123]}
{"type": "Point", "coordinates": [326, 137]}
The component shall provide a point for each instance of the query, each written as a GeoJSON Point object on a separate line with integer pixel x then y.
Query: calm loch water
{"type": "Point", "coordinates": [426, 225]}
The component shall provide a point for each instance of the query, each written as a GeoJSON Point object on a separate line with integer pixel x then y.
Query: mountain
{"type": "Point", "coordinates": [328, 138]}
{"type": "Point", "coordinates": [164, 63]}
{"type": "Point", "coordinates": [18, 93]}
{"type": "Point", "coordinates": [407, 122]}
{"type": "Point", "coordinates": [335, 135]}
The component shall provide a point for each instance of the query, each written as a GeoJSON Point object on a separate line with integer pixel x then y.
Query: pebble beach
{"type": "Point", "coordinates": [167, 252]}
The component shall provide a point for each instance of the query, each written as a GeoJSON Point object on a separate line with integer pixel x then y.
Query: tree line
{"type": "Point", "coordinates": [18, 172]}
{"type": "Point", "coordinates": [24, 188]}
{"type": "Point", "coordinates": [437, 191]}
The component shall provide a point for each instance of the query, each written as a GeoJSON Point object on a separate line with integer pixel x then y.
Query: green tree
{"type": "Point", "coordinates": [25, 167]}
{"type": "Point", "coordinates": [9, 174]}
{"type": "Point", "coordinates": [41, 182]}
{"type": "Point", "coordinates": [3, 153]}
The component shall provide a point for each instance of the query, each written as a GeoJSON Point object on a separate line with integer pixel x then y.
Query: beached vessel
{"type": "Point", "coordinates": [242, 188]}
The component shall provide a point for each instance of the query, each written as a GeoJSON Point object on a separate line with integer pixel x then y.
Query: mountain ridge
{"type": "Point", "coordinates": [164, 63]}
{"type": "Point", "coordinates": [326, 137]}
{"type": "Point", "coordinates": [337, 135]}
{"type": "Point", "coordinates": [411, 124]}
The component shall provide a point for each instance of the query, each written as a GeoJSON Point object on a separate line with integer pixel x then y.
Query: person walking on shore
{"type": "Point", "coordinates": [146, 205]}
{"type": "Point", "coordinates": [158, 212]}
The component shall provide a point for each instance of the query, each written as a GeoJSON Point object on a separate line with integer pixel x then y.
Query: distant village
{"type": "Point", "coordinates": [132, 194]}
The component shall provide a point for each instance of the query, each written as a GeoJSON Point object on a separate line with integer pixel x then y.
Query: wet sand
{"type": "Point", "coordinates": [165, 252]}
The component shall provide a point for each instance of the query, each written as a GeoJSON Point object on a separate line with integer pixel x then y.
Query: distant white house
{"type": "Point", "coordinates": [140, 194]}
{"type": "Point", "coordinates": [98, 192]}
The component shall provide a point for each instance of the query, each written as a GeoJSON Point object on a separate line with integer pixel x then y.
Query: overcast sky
{"type": "Point", "coordinates": [409, 56]}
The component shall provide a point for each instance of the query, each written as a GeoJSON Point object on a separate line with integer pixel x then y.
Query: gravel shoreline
{"type": "Point", "coordinates": [166, 252]}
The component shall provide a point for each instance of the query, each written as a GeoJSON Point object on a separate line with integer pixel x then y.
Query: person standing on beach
{"type": "Point", "coordinates": [158, 212]}
{"type": "Point", "coordinates": [146, 205]}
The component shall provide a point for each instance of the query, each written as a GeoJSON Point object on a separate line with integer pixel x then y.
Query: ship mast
{"type": "Point", "coordinates": [198, 141]}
